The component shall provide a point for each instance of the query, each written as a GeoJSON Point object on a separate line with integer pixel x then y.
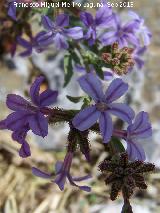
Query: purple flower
{"type": "Point", "coordinates": [12, 9]}
{"type": "Point", "coordinates": [30, 114]}
{"type": "Point", "coordinates": [19, 136]}
{"type": "Point", "coordinates": [139, 129]}
{"type": "Point", "coordinates": [63, 173]}
{"type": "Point", "coordinates": [143, 30]}
{"type": "Point", "coordinates": [103, 106]}
{"type": "Point", "coordinates": [124, 34]}
{"type": "Point", "coordinates": [30, 45]}
{"type": "Point", "coordinates": [57, 33]}
{"type": "Point", "coordinates": [103, 19]}
{"type": "Point", "coordinates": [137, 56]}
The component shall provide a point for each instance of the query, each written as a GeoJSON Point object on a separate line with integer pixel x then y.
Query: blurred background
{"type": "Point", "coordinates": [20, 191]}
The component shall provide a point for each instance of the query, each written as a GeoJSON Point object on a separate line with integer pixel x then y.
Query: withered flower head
{"type": "Point", "coordinates": [125, 176]}
{"type": "Point", "coordinates": [120, 59]}
{"type": "Point", "coordinates": [79, 139]}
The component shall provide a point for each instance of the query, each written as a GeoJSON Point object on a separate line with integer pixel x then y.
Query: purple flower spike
{"type": "Point", "coordinates": [139, 129]}
{"type": "Point", "coordinates": [63, 173]}
{"type": "Point", "coordinates": [103, 106]}
{"type": "Point", "coordinates": [28, 115]}
{"type": "Point", "coordinates": [103, 19]}
{"type": "Point", "coordinates": [57, 32]}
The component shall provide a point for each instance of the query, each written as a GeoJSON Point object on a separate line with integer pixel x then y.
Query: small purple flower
{"type": "Point", "coordinates": [103, 105]}
{"type": "Point", "coordinates": [30, 45]}
{"type": "Point", "coordinates": [139, 129]}
{"type": "Point", "coordinates": [63, 173]}
{"type": "Point", "coordinates": [143, 30]}
{"type": "Point", "coordinates": [33, 113]}
{"type": "Point", "coordinates": [124, 34]}
{"type": "Point", "coordinates": [137, 53]}
{"type": "Point", "coordinates": [57, 32]}
{"type": "Point", "coordinates": [103, 19]}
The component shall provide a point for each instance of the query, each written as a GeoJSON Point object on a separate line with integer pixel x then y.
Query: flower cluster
{"type": "Point", "coordinates": [97, 46]}
{"type": "Point", "coordinates": [120, 59]}
{"type": "Point", "coordinates": [29, 115]}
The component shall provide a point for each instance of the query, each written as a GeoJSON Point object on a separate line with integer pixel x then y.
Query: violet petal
{"type": "Point", "coordinates": [38, 124]}
{"type": "Point", "coordinates": [116, 89]}
{"type": "Point", "coordinates": [135, 151]}
{"type": "Point", "coordinates": [48, 97]}
{"type": "Point", "coordinates": [122, 111]}
{"type": "Point", "coordinates": [37, 172]}
{"type": "Point", "coordinates": [34, 90]}
{"type": "Point", "coordinates": [106, 126]}
{"type": "Point", "coordinates": [92, 86]}
{"type": "Point", "coordinates": [86, 118]}
{"type": "Point", "coordinates": [16, 102]}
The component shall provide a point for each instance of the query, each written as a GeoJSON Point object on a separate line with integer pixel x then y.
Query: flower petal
{"type": "Point", "coordinates": [106, 126]}
{"type": "Point", "coordinates": [90, 36]}
{"type": "Point", "coordinates": [24, 151]}
{"type": "Point", "coordinates": [122, 111]}
{"type": "Point", "coordinates": [38, 124]}
{"type": "Point", "coordinates": [58, 166]}
{"type": "Point", "coordinates": [12, 11]}
{"type": "Point", "coordinates": [108, 38]}
{"type": "Point", "coordinates": [86, 118]}
{"type": "Point", "coordinates": [92, 86]}
{"type": "Point", "coordinates": [48, 97]}
{"type": "Point", "coordinates": [16, 102]}
{"type": "Point", "coordinates": [135, 151]}
{"type": "Point", "coordinates": [17, 120]}
{"type": "Point", "coordinates": [141, 128]}
{"type": "Point", "coordinates": [47, 22]}
{"type": "Point", "coordinates": [116, 89]}
{"type": "Point", "coordinates": [37, 172]}
{"type": "Point", "coordinates": [26, 53]}
{"type": "Point", "coordinates": [140, 120]}
{"type": "Point", "coordinates": [103, 15]}
{"type": "Point", "coordinates": [23, 42]}
{"type": "Point", "coordinates": [74, 32]}
{"type": "Point", "coordinates": [62, 20]}
{"type": "Point", "coordinates": [60, 41]}
{"type": "Point", "coordinates": [20, 134]}
{"type": "Point", "coordinates": [84, 188]}
{"type": "Point", "coordinates": [34, 90]}
{"type": "Point", "coordinates": [86, 18]}
{"type": "Point", "coordinates": [77, 179]}
{"type": "Point", "coordinates": [45, 38]}
{"type": "Point", "coordinates": [3, 124]}
{"type": "Point", "coordinates": [60, 180]}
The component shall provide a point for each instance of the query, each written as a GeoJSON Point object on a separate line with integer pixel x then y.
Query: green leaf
{"type": "Point", "coordinates": [99, 71]}
{"type": "Point", "coordinates": [75, 58]}
{"type": "Point", "coordinates": [68, 69]}
{"type": "Point", "coordinates": [74, 99]}
{"type": "Point", "coordinates": [117, 145]}
{"type": "Point", "coordinates": [86, 102]}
